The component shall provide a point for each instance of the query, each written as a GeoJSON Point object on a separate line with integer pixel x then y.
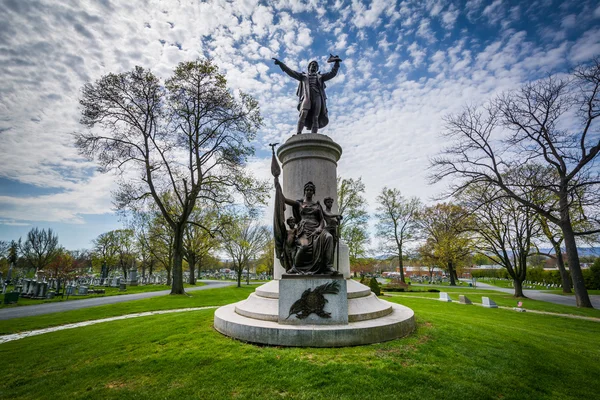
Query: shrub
{"type": "Point", "coordinates": [592, 276]}
{"type": "Point", "coordinates": [375, 288]}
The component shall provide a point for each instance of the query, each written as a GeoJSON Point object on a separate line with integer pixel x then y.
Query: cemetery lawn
{"type": "Point", "coordinates": [457, 352]}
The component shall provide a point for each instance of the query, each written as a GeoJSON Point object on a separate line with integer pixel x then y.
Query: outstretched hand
{"type": "Point", "coordinates": [277, 62]}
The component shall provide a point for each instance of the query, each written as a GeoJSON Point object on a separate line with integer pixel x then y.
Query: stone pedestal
{"type": "Point", "coordinates": [311, 158]}
{"type": "Point", "coordinates": [314, 300]}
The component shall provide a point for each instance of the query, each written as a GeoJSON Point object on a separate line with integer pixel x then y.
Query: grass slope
{"type": "Point", "coordinates": [458, 352]}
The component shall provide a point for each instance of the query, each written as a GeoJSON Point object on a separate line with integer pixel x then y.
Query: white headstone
{"type": "Point", "coordinates": [488, 303]}
{"type": "Point", "coordinates": [444, 297]}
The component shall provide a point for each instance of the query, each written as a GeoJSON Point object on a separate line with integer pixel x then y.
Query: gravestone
{"type": "Point", "coordinates": [82, 291]}
{"type": "Point", "coordinates": [25, 289]}
{"type": "Point", "coordinates": [122, 286]}
{"type": "Point", "coordinates": [33, 288]}
{"type": "Point", "coordinates": [42, 289]}
{"type": "Point", "coordinates": [462, 299]}
{"type": "Point", "coordinates": [133, 278]}
{"type": "Point", "coordinates": [488, 303]}
{"type": "Point", "coordinates": [444, 297]}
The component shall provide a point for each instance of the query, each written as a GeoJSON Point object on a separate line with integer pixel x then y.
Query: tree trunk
{"type": "Point", "coordinates": [564, 274]}
{"type": "Point", "coordinates": [401, 265]}
{"type": "Point", "coordinates": [199, 264]}
{"type": "Point", "coordinates": [518, 288]}
{"type": "Point", "coordinates": [177, 286]}
{"type": "Point", "coordinates": [192, 262]}
{"type": "Point", "coordinates": [451, 272]}
{"type": "Point", "coordinates": [238, 270]}
{"type": "Point", "coordinates": [581, 294]}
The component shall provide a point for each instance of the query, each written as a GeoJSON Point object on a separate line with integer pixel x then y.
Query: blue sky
{"type": "Point", "coordinates": [406, 65]}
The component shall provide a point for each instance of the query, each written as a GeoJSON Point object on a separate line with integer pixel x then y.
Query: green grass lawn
{"type": "Point", "coordinates": [108, 291]}
{"type": "Point", "coordinates": [457, 352]}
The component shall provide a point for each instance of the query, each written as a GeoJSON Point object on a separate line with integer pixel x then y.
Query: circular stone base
{"type": "Point", "coordinates": [399, 323]}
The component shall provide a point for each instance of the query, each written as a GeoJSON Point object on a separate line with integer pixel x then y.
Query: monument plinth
{"type": "Point", "coordinates": [308, 308]}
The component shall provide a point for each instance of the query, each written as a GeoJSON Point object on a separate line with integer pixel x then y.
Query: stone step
{"type": "Point", "coordinates": [267, 309]}
{"type": "Point", "coordinates": [259, 307]}
{"type": "Point", "coordinates": [399, 323]}
{"type": "Point", "coordinates": [365, 308]}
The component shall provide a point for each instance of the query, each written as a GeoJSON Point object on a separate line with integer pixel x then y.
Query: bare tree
{"type": "Point", "coordinates": [505, 230]}
{"type": "Point", "coordinates": [40, 247]}
{"type": "Point", "coordinates": [397, 222]}
{"type": "Point", "coordinates": [548, 123]}
{"type": "Point", "coordinates": [172, 144]}
{"type": "Point", "coordinates": [243, 238]}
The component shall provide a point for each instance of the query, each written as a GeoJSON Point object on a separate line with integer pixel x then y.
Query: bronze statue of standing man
{"type": "Point", "coordinates": [311, 93]}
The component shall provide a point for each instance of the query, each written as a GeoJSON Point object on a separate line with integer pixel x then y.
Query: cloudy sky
{"type": "Point", "coordinates": [406, 65]}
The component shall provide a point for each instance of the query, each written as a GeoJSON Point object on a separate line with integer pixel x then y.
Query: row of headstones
{"type": "Point", "coordinates": [41, 290]}
{"type": "Point", "coordinates": [462, 299]}
{"type": "Point", "coordinates": [532, 284]}
{"type": "Point", "coordinates": [32, 289]}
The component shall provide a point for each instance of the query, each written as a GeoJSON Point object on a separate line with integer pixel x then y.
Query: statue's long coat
{"type": "Point", "coordinates": [303, 92]}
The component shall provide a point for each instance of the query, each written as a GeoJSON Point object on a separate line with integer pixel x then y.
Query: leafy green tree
{"type": "Point", "coordinates": [446, 228]}
{"type": "Point", "coordinates": [201, 238]}
{"type": "Point", "coordinates": [396, 222]}
{"type": "Point", "coordinates": [105, 250]}
{"type": "Point", "coordinates": [266, 259]}
{"type": "Point", "coordinates": [352, 205]}
{"type": "Point", "coordinates": [172, 143]}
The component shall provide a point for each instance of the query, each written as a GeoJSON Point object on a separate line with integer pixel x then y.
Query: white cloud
{"type": "Point", "coordinates": [417, 53]}
{"type": "Point", "coordinates": [386, 104]}
{"type": "Point", "coordinates": [368, 16]}
{"type": "Point", "coordinates": [449, 17]}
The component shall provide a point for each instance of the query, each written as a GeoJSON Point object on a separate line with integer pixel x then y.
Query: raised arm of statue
{"type": "Point", "coordinates": [294, 74]}
{"type": "Point", "coordinates": [334, 70]}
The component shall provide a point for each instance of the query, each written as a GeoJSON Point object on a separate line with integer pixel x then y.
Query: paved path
{"type": "Point", "coordinates": [541, 295]}
{"type": "Point", "coordinates": [48, 308]}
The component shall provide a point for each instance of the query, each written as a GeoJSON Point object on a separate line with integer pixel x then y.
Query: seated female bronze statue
{"type": "Point", "coordinates": [314, 244]}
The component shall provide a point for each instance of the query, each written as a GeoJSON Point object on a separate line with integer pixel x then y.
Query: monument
{"type": "Point", "coordinates": [312, 301]}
